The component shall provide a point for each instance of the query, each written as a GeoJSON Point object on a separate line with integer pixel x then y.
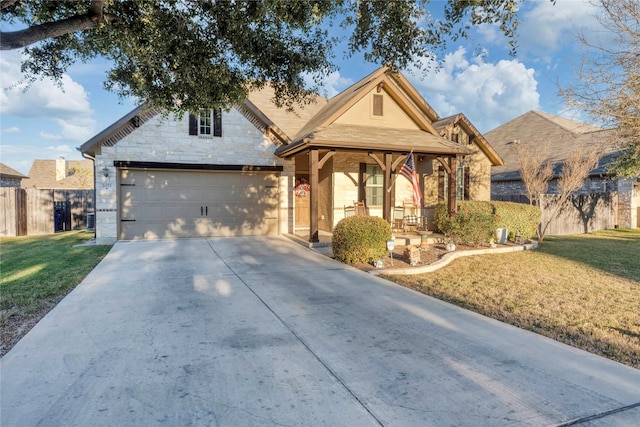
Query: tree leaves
{"type": "Point", "coordinates": [184, 54]}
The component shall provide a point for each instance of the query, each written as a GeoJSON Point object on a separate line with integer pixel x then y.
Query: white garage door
{"type": "Point", "coordinates": [164, 204]}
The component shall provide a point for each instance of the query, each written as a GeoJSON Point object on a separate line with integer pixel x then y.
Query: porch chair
{"type": "Point", "coordinates": [411, 218]}
{"type": "Point", "coordinates": [397, 219]}
{"type": "Point", "coordinates": [349, 211]}
{"type": "Point", "coordinates": [361, 208]}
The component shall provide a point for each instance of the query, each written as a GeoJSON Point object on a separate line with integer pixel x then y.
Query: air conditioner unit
{"type": "Point", "coordinates": [91, 221]}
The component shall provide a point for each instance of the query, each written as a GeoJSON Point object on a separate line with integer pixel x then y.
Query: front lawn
{"type": "Point", "coordinates": [36, 272]}
{"type": "Point", "coordinates": [583, 290]}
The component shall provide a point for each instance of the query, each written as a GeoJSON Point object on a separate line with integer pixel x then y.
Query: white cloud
{"type": "Point", "coordinates": [12, 129]}
{"type": "Point", "coordinates": [66, 105]}
{"type": "Point", "coordinates": [489, 94]}
{"type": "Point", "coordinates": [547, 28]}
{"type": "Point", "coordinates": [62, 149]}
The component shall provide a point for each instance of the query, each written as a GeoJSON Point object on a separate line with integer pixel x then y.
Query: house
{"type": "Point", "coordinates": [60, 174]}
{"type": "Point", "coordinates": [261, 170]}
{"type": "Point", "coordinates": [535, 127]}
{"type": "Point", "coordinates": [10, 177]}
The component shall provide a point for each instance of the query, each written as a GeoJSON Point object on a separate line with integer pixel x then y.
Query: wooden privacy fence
{"type": "Point", "coordinates": [581, 213]}
{"type": "Point", "coordinates": [32, 211]}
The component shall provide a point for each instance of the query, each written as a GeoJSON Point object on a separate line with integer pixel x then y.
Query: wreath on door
{"type": "Point", "coordinates": [302, 187]}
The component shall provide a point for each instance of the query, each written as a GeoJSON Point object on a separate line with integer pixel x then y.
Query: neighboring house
{"type": "Point", "coordinates": [564, 135]}
{"type": "Point", "coordinates": [260, 170]}
{"type": "Point", "coordinates": [60, 174]}
{"type": "Point", "coordinates": [10, 177]}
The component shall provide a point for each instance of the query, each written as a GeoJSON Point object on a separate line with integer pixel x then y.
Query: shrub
{"type": "Point", "coordinates": [473, 223]}
{"type": "Point", "coordinates": [360, 239]}
{"type": "Point", "coordinates": [518, 218]}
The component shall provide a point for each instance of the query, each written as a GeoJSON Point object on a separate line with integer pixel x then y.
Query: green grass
{"type": "Point", "coordinates": [36, 270]}
{"type": "Point", "coordinates": [583, 290]}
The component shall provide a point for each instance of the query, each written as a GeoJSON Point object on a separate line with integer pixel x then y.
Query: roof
{"type": "Point", "coordinates": [42, 175]}
{"type": "Point", "coordinates": [118, 130]}
{"type": "Point", "coordinates": [535, 127]}
{"type": "Point", "coordinates": [7, 172]}
{"type": "Point", "coordinates": [321, 131]}
{"type": "Point", "coordinates": [482, 143]}
{"type": "Point", "coordinates": [312, 125]}
{"type": "Point", "coordinates": [373, 138]}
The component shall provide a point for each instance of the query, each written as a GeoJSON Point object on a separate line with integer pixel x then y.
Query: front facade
{"type": "Point", "coordinates": [260, 170]}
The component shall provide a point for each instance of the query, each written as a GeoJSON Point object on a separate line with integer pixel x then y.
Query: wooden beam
{"type": "Point", "coordinates": [386, 184]}
{"type": "Point", "coordinates": [313, 196]}
{"type": "Point", "coordinates": [377, 160]}
{"type": "Point", "coordinates": [399, 160]}
{"type": "Point", "coordinates": [326, 157]}
{"type": "Point", "coordinates": [444, 164]}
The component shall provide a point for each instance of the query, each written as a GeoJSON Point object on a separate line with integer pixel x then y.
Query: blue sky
{"type": "Point", "coordinates": [47, 122]}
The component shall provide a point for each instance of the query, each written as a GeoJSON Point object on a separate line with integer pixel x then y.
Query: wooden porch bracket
{"type": "Point", "coordinates": [444, 164]}
{"type": "Point", "coordinates": [399, 160]}
{"type": "Point", "coordinates": [326, 157]}
{"type": "Point", "coordinates": [378, 161]}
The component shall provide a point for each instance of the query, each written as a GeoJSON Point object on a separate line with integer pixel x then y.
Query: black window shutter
{"type": "Point", "coordinates": [217, 122]}
{"type": "Point", "coordinates": [193, 124]}
{"type": "Point", "coordinates": [467, 174]}
{"type": "Point", "coordinates": [441, 194]}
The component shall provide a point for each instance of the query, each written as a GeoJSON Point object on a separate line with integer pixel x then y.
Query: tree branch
{"type": "Point", "coordinates": [88, 21]}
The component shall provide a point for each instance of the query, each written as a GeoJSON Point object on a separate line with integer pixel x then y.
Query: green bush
{"type": "Point", "coordinates": [473, 223]}
{"type": "Point", "coordinates": [360, 239]}
{"type": "Point", "coordinates": [518, 218]}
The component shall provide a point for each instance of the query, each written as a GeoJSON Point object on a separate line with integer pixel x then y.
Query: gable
{"type": "Point", "coordinates": [377, 109]}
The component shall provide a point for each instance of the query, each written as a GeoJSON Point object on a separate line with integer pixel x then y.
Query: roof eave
{"type": "Point", "coordinates": [91, 145]}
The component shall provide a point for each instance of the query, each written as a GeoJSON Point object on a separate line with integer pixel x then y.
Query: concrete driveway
{"type": "Point", "coordinates": [263, 332]}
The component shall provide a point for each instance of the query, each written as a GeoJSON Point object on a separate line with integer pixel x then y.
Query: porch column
{"type": "Point", "coordinates": [452, 203]}
{"type": "Point", "coordinates": [313, 196]}
{"type": "Point", "coordinates": [386, 203]}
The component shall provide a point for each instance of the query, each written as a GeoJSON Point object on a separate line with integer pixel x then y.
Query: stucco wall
{"type": "Point", "coordinates": [168, 140]}
{"type": "Point", "coordinates": [361, 114]}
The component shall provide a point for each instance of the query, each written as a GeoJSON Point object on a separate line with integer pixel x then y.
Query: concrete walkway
{"type": "Point", "coordinates": [263, 332]}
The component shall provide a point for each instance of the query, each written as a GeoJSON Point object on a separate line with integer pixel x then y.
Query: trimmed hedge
{"type": "Point", "coordinates": [518, 218]}
{"type": "Point", "coordinates": [360, 239]}
{"type": "Point", "coordinates": [474, 222]}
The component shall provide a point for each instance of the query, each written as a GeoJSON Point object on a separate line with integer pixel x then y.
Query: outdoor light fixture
{"type": "Point", "coordinates": [105, 172]}
{"type": "Point", "coordinates": [391, 243]}
{"type": "Point", "coordinates": [136, 121]}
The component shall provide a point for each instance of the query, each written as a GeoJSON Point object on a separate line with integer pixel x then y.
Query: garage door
{"type": "Point", "coordinates": [161, 204]}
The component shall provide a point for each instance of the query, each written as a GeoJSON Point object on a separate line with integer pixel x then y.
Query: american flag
{"type": "Point", "coordinates": [408, 170]}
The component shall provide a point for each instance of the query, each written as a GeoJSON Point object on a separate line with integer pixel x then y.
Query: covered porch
{"type": "Point", "coordinates": [337, 167]}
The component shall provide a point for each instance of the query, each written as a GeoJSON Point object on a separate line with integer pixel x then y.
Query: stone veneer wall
{"type": "Point", "coordinates": [168, 140]}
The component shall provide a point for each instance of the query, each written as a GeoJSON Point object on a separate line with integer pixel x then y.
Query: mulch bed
{"type": "Point", "coordinates": [427, 256]}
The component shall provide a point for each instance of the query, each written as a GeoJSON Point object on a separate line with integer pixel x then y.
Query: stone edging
{"type": "Point", "coordinates": [447, 258]}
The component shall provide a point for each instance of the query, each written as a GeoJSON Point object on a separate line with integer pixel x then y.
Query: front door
{"type": "Point", "coordinates": [301, 200]}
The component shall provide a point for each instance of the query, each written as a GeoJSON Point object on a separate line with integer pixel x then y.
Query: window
{"type": "Point", "coordinates": [377, 105]}
{"type": "Point", "coordinates": [208, 122]}
{"type": "Point", "coordinates": [371, 184]}
{"type": "Point", "coordinates": [462, 183]}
